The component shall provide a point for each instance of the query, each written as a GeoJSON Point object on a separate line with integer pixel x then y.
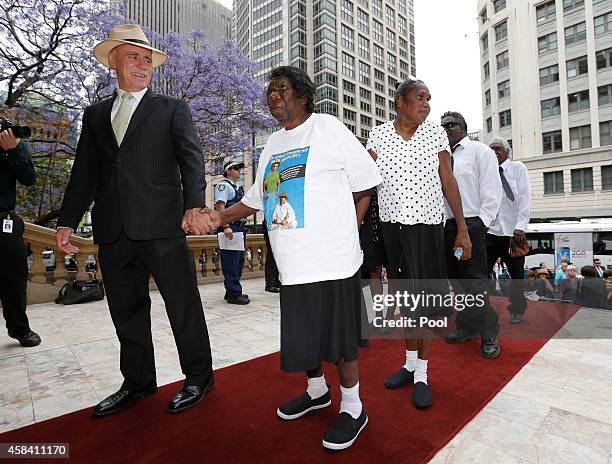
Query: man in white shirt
{"type": "Point", "coordinates": [475, 168]}
{"type": "Point", "coordinates": [284, 215]}
{"type": "Point", "coordinates": [511, 221]}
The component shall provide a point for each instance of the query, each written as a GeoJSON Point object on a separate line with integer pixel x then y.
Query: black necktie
{"type": "Point", "coordinates": [506, 185]}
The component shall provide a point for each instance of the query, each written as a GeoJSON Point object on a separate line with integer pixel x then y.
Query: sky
{"type": "Point", "coordinates": [447, 56]}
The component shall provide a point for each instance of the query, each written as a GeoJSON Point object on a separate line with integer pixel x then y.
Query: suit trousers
{"type": "Point", "coordinates": [270, 267]}
{"type": "Point", "coordinates": [470, 277]}
{"type": "Point", "coordinates": [232, 263]}
{"type": "Point", "coordinates": [14, 279]}
{"type": "Point", "coordinates": [497, 247]}
{"type": "Point", "coordinates": [126, 267]}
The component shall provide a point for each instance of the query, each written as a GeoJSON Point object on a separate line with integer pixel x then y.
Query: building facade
{"type": "Point", "coordinates": [546, 68]}
{"type": "Point", "coordinates": [182, 17]}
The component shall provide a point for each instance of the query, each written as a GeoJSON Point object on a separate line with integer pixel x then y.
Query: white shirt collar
{"type": "Point", "coordinates": [463, 142]}
{"type": "Point", "coordinates": [137, 95]}
{"type": "Point", "coordinates": [506, 164]}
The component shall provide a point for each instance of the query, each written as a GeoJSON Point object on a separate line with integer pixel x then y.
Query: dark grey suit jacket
{"type": "Point", "coordinates": [144, 186]}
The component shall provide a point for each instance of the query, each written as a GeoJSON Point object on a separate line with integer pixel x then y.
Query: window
{"type": "Point", "coordinates": [499, 5]}
{"type": "Point", "coordinates": [391, 63]}
{"type": "Point", "coordinates": [402, 25]}
{"type": "Point", "coordinates": [380, 106]}
{"type": "Point", "coordinates": [577, 66]}
{"type": "Point", "coordinates": [346, 11]}
{"type": "Point", "coordinates": [348, 93]}
{"type": "Point", "coordinates": [604, 95]}
{"type": "Point", "coordinates": [404, 70]}
{"type": "Point", "coordinates": [403, 47]}
{"type": "Point", "coordinates": [364, 47]}
{"type": "Point", "coordinates": [378, 31]}
{"type": "Point", "coordinates": [489, 125]}
{"type": "Point", "coordinates": [390, 16]}
{"type": "Point", "coordinates": [603, 24]}
{"type": "Point", "coordinates": [377, 8]}
{"type": "Point", "coordinates": [366, 125]}
{"type": "Point", "coordinates": [580, 137]}
{"type": "Point", "coordinates": [578, 101]}
{"type": "Point", "coordinates": [606, 178]}
{"type": "Point", "coordinates": [486, 70]}
{"type": "Point", "coordinates": [363, 21]}
{"type": "Point", "coordinates": [487, 95]}
{"type": "Point", "coordinates": [547, 43]}
{"type": "Point", "coordinates": [575, 33]}
{"type": "Point", "coordinates": [378, 55]}
{"type": "Point", "coordinates": [552, 142]}
{"type": "Point", "coordinates": [348, 65]}
{"type": "Point", "coordinates": [348, 38]}
{"type": "Point", "coordinates": [502, 60]}
{"type": "Point", "coordinates": [364, 73]}
{"type": "Point", "coordinates": [501, 31]}
{"type": "Point", "coordinates": [545, 12]}
{"type": "Point", "coordinates": [603, 58]}
{"type": "Point", "coordinates": [365, 100]}
{"type": "Point", "coordinates": [391, 42]}
{"type": "Point", "coordinates": [553, 182]}
{"type": "Point", "coordinates": [379, 80]}
{"type": "Point", "coordinates": [582, 180]}
{"type": "Point", "coordinates": [484, 42]}
{"type": "Point", "coordinates": [571, 4]}
{"type": "Point", "coordinates": [549, 75]}
{"type": "Point", "coordinates": [392, 85]}
{"type": "Point", "coordinates": [605, 133]}
{"type": "Point", "coordinates": [350, 120]}
{"type": "Point", "coordinates": [483, 15]}
{"type": "Point", "coordinates": [327, 93]}
{"type": "Point", "coordinates": [550, 107]}
{"type": "Point", "coordinates": [505, 118]}
{"type": "Point", "coordinates": [503, 89]}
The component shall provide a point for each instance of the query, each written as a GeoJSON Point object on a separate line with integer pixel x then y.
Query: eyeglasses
{"type": "Point", "coordinates": [450, 125]}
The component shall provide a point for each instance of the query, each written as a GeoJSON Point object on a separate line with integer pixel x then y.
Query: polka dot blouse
{"type": "Point", "coordinates": [411, 192]}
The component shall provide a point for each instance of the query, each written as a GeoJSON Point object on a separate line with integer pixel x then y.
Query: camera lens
{"type": "Point", "coordinates": [21, 132]}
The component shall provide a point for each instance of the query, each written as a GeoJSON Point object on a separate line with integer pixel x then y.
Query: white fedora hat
{"type": "Point", "coordinates": [127, 34]}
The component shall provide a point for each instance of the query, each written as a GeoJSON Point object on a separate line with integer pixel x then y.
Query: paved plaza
{"type": "Point", "coordinates": [557, 409]}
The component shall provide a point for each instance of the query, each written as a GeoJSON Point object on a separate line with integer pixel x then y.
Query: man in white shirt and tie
{"type": "Point", "coordinates": [475, 169]}
{"type": "Point", "coordinates": [511, 221]}
{"type": "Point", "coordinates": [598, 267]}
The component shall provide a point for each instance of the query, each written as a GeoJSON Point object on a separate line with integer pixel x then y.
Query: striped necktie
{"type": "Point", "coordinates": [122, 118]}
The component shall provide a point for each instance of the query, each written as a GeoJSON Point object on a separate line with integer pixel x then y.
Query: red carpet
{"type": "Point", "coordinates": [237, 423]}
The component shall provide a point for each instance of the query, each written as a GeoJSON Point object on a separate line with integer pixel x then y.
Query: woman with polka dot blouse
{"type": "Point", "coordinates": [413, 157]}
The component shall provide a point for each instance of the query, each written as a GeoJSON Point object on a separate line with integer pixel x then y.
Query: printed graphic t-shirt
{"type": "Point", "coordinates": [314, 231]}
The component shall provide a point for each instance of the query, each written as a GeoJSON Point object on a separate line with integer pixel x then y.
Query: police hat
{"type": "Point", "coordinates": [232, 164]}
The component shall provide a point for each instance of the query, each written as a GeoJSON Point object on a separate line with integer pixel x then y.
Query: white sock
{"type": "Point", "coordinates": [316, 387]}
{"type": "Point", "coordinates": [420, 374]}
{"type": "Point", "coordinates": [350, 402]}
{"type": "Point", "coordinates": [411, 360]}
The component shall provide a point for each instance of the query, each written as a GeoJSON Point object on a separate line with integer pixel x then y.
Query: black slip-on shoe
{"type": "Point", "coordinates": [303, 404]}
{"type": "Point", "coordinates": [344, 431]}
{"type": "Point", "coordinates": [400, 379]}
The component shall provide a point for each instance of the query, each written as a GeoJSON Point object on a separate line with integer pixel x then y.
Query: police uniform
{"type": "Point", "coordinates": [15, 165]}
{"type": "Point", "coordinates": [232, 261]}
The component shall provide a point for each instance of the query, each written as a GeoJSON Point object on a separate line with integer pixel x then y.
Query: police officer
{"type": "Point", "coordinates": [227, 194]}
{"type": "Point", "coordinates": [15, 165]}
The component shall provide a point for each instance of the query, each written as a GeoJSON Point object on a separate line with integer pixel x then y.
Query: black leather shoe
{"type": "Point", "coordinates": [189, 396]}
{"type": "Point", "coordinates": [400, 379]}
{"type": "Point", "coordinates": [28, 340]}
{"type": "Point", "coordinates": [489, 348]}
{"type": "Point", "coordinates": [421, 396]}
{"type": "Point", "coordinates": [238, 299]}
{"type": "Point", "coordinates": [120, 400]}
{"type": "Point", "coordinates": [459, 336]}
{"type": "Point", "coordinates": [516, 318]}
{"type": "Point", "coordinates": [272, 289]}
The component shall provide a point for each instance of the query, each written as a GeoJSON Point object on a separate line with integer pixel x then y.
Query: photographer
{"type": "Point", "coordinates": [15, 165]}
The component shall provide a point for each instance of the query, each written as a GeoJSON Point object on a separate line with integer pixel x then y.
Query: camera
{"type": "Point", "coordinates": [20, 132]}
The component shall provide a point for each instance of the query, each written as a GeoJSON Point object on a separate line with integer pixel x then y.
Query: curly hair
{"type": "Point", "coordinates": [458, 117]}
{"type": "Point", "coordinates": [300, 81]}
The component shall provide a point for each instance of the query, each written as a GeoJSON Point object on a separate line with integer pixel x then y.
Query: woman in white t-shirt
{"type": "Point", "coordinates": [413, 157]}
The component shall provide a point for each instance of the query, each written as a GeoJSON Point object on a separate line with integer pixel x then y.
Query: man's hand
{"type": "Point", "coordinates": [462, 239]}
{"type": "Point", "coordinates": [7, 140]}
{"type": "Point", "coordinates": [519, 237]}
{"type": "Point", "coordinates": [197, 221]}
{"type": "Point", "coordinates": [228, 232]}
{"type": "Point", "coordinates": [62, 240]}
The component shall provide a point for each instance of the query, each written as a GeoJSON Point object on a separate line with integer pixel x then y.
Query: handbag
{"type": "Point", "coordinates": [80, 291]}
{"type": "Point", "coordinates": [516, 250]}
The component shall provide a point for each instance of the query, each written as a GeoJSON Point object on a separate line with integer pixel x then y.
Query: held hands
{"type": "Point", "coordinates": [62, 240]}
{"type": "Point", "coordinates": [200, 221]}
{"type": "Point", "coordinates": [462, 240]}
{"type": "Point", "coordinates": [7, 140]}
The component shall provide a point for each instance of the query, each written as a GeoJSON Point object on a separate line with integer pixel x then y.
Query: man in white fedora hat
{"type": "Point", "coordinates": [139, 159]}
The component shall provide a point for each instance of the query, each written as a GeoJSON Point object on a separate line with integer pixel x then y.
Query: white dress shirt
{"type": "Point", "coordinates": [513, 214]}
{"type": "Point", "coordinates": [476, 169]}
{"type": "Point", "coordinates": [133, 103]}
{"type": "Point", "coordinates": [284, 212]}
